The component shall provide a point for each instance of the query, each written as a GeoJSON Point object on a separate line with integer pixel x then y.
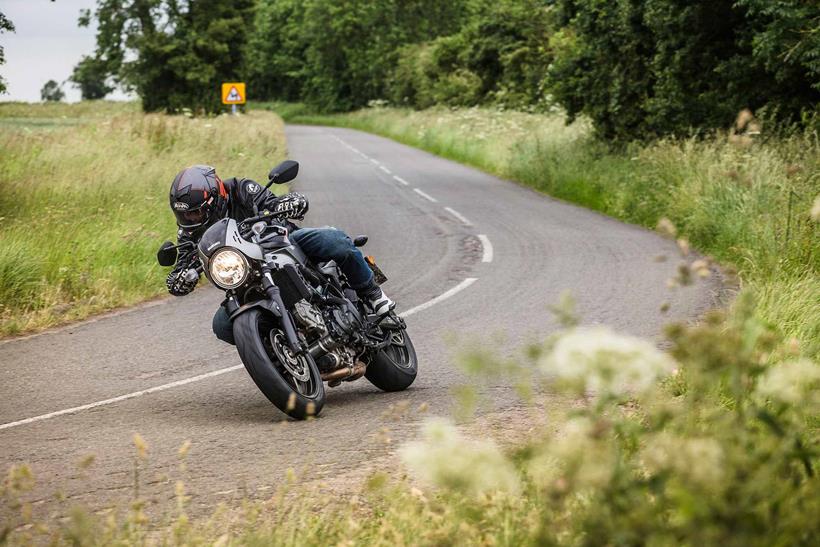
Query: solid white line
{"type": "Point", "coordinates": [401, 180]}
{"type": "Point", "coordinates": [121, 397]}
{"type": "Point", "coordinates": [488, 248]}
{"type": "Point", "coordinates": [385, 169]}
{"type": "Point", "coordinates": [425, 196]}
{"type": "Point", "coordinates": [458, 215]}
{"type": "Point", "coordinates": [440, 298]}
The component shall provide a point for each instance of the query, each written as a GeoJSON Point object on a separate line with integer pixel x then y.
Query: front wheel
{"type": "Point", "coordinates": [395, 366]}
{"type": "Point", "coordinates": [291, 382]}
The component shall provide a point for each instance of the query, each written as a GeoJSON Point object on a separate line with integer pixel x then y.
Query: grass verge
{"type": "Point", "coordinates": [84, 202]}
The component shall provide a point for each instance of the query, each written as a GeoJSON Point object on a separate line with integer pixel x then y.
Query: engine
{"type": "Point", "coordinates": [329, 331]}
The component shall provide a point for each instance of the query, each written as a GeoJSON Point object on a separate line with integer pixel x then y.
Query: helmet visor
{"type": "Point", "coordinates": [193, 218]}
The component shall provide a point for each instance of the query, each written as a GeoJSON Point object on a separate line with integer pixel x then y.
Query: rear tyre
{"type": "Point", "coordinates": [395, 367]}
{"type": "Point", "coordinates": [290, 382]}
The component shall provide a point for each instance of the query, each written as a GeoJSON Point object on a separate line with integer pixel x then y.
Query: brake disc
{"type": "Point", "coordinates": [296, 365]}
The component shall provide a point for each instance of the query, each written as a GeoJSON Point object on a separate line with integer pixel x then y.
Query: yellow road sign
{"type": "Point", "coordinates": [233, 93]}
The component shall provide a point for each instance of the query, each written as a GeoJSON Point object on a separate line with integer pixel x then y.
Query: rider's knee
{"type": "Point", "coordinates": [338, 243]}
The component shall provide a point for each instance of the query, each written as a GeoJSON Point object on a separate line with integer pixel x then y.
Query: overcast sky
{"type": "Point", "coordinates": [46, 46]}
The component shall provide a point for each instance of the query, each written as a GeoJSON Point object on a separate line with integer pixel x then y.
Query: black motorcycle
{"type": "Point", "coordinates": [297, 324]}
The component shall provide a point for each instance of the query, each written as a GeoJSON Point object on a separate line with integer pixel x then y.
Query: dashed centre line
{"type": "Point", "coordinates": [486, 245]}
{"type": "Point", "coordinates": [487, 255]}
{"type": "Point", "coordinates": [426, 196]}
{"type": "Point", "coordinates": [459, 216]}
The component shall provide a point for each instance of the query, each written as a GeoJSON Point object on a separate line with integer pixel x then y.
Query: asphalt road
{"type": "Point", "coordinates": [433, 226]}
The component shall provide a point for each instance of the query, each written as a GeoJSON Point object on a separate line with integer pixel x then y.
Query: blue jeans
{"type": "Point", "coordinates": [320, 245]}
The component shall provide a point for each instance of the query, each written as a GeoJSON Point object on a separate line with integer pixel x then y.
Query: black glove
{"type": "Point", "coordinates": [295, 204]}
{"type": "Point", "coordinates": [179, 283]}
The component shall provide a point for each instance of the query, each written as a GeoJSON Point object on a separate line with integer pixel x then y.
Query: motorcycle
{"type": "Point", "coordinates": [297, 324]}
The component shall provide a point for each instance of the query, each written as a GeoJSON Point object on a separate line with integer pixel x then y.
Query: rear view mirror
{"type": "Point", "coordinates": [167, 254]}
{"type": "Point", "coordinates": [284, 172]}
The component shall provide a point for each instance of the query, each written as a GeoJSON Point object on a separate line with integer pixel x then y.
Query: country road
{"type": "Point", "coordinates": [469, 254]}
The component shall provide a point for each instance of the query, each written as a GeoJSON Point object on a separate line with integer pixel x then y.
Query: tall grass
{"type": "Point", "coordinates": [84, 201]}
{"type": "Point", "coordinates": [744, 200]}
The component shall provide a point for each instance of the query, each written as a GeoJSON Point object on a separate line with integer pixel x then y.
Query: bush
{"type": "Point", "coordinates": [644, 69]}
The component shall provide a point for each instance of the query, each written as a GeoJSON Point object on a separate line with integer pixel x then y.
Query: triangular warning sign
{"type": "Point", "coordinates": [233, 96]}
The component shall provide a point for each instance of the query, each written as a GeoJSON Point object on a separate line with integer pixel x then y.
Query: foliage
{"type": "Point", "coordinates": [337, 55]}
{"type": "Point", "coordinates": [69, 170]}
{"type": "Point", "coordinates": [500, 55]}
{"type": "Point", "coordinates": [52, 92]}
{"type": "Point", "coordinates": [90, 76]}
{"type": "Point", "coordinates": [174, 55]}
{"type": "Point", "coordinates": [642, 69]}
{"type": "Point", "coordinates": [5, 26]}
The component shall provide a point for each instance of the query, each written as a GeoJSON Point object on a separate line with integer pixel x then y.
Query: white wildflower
{"type": "Point", "coordinates": [696, 460]}
{"type": "Point", "coordinates": [577, 453]}
{"type": "Point", "coordinates": [444, 458]}
{"type": "Point", "coordinates": [790, 382]}
{"type": "Point", "coordinates": [815, 210]}
{"type": "Point", "coordinates": [598, 360]}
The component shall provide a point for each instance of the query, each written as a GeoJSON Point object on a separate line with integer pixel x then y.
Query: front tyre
{"type": "Point", "coordinates": [395, 366]}
{"type": "Point", "coordinates": [291, 382]}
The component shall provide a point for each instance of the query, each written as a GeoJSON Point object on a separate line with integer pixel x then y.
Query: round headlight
{"type": "Point", "coordinates": [229, 268]}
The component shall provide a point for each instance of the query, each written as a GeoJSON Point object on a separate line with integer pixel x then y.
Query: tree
{"type": "Point", "coordinates": [5, 26]}
{"type": "Point", "coordinates": [173, 54]}
{"type": "Point", "coordinates": [52, 92]}
{"type": "Point", "coordinates": [499, 55]}
{"type": "Point", "coordinates": [90, 76]}
{"type": "Point", "coordinates": [337, 54]}
{"type": "Point", "coordinates": [647, 68]}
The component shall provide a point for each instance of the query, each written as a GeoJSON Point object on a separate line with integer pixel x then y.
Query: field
{"type": "Point", "coordinates": [84, 205]}
{"type": "Point", "coordinates": [744, 200]}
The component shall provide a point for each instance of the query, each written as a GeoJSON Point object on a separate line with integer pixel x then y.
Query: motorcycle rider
{"type": "Point", "coordinates": [199, 198]}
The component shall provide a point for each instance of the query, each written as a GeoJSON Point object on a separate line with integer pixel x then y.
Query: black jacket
{"type": "Point", "coordinates": [241, 193]}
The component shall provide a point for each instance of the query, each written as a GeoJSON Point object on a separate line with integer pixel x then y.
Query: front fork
{"type": "Point", "coordinates": [273, 293]}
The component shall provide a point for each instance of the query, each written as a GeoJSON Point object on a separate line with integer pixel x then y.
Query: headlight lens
{"type": "Point", "coordinates": [229, 268]}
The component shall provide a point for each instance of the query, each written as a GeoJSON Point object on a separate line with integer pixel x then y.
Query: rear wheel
{"type": "Point", "coordinates": [291, 382]}
{"type": "Point", "coordinates": [394, 368]}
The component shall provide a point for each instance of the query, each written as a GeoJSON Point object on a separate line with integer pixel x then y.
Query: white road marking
{"type": "Point", "coordinates": [440, 298]}
{"type": "Point", "coordinates": [425, 196]}
{"type": "Point", "coordinates": [385, 169]}
{"type": "Point", "coordinates": [488, 248]}
{"type": "Point", "coordinates": [121, 397]}
{"type": "Point", "coordinates": [375, 161]}
{"type": "Point", "coordinates": [458, 215]}
{"type": "Point", "coordinates": [401, 180]}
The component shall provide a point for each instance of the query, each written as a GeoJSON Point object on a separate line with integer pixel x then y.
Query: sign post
{"type": "Point", "coordinates": [233, 93]}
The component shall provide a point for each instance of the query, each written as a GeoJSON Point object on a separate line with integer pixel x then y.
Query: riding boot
{"type": "Point", "coordinates": [375, 297]}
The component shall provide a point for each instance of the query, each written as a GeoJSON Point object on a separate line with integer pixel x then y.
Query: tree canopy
{"type": "Point", "coordinates": [5, 26]}
{"type": "Point", "coordinates": [52, 92]}
{"type": "Point", "coordinates": [637, 68]}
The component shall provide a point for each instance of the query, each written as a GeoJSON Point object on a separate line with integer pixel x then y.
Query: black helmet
{"type": "Point", "coordinates": [198, 197]}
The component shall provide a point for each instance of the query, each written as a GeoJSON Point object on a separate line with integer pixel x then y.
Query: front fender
{"type": "Point", "coordinates": [266, 305]}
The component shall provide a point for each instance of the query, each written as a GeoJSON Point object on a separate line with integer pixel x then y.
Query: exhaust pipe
{"type": "Point", "coordinates": [356, 370]}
